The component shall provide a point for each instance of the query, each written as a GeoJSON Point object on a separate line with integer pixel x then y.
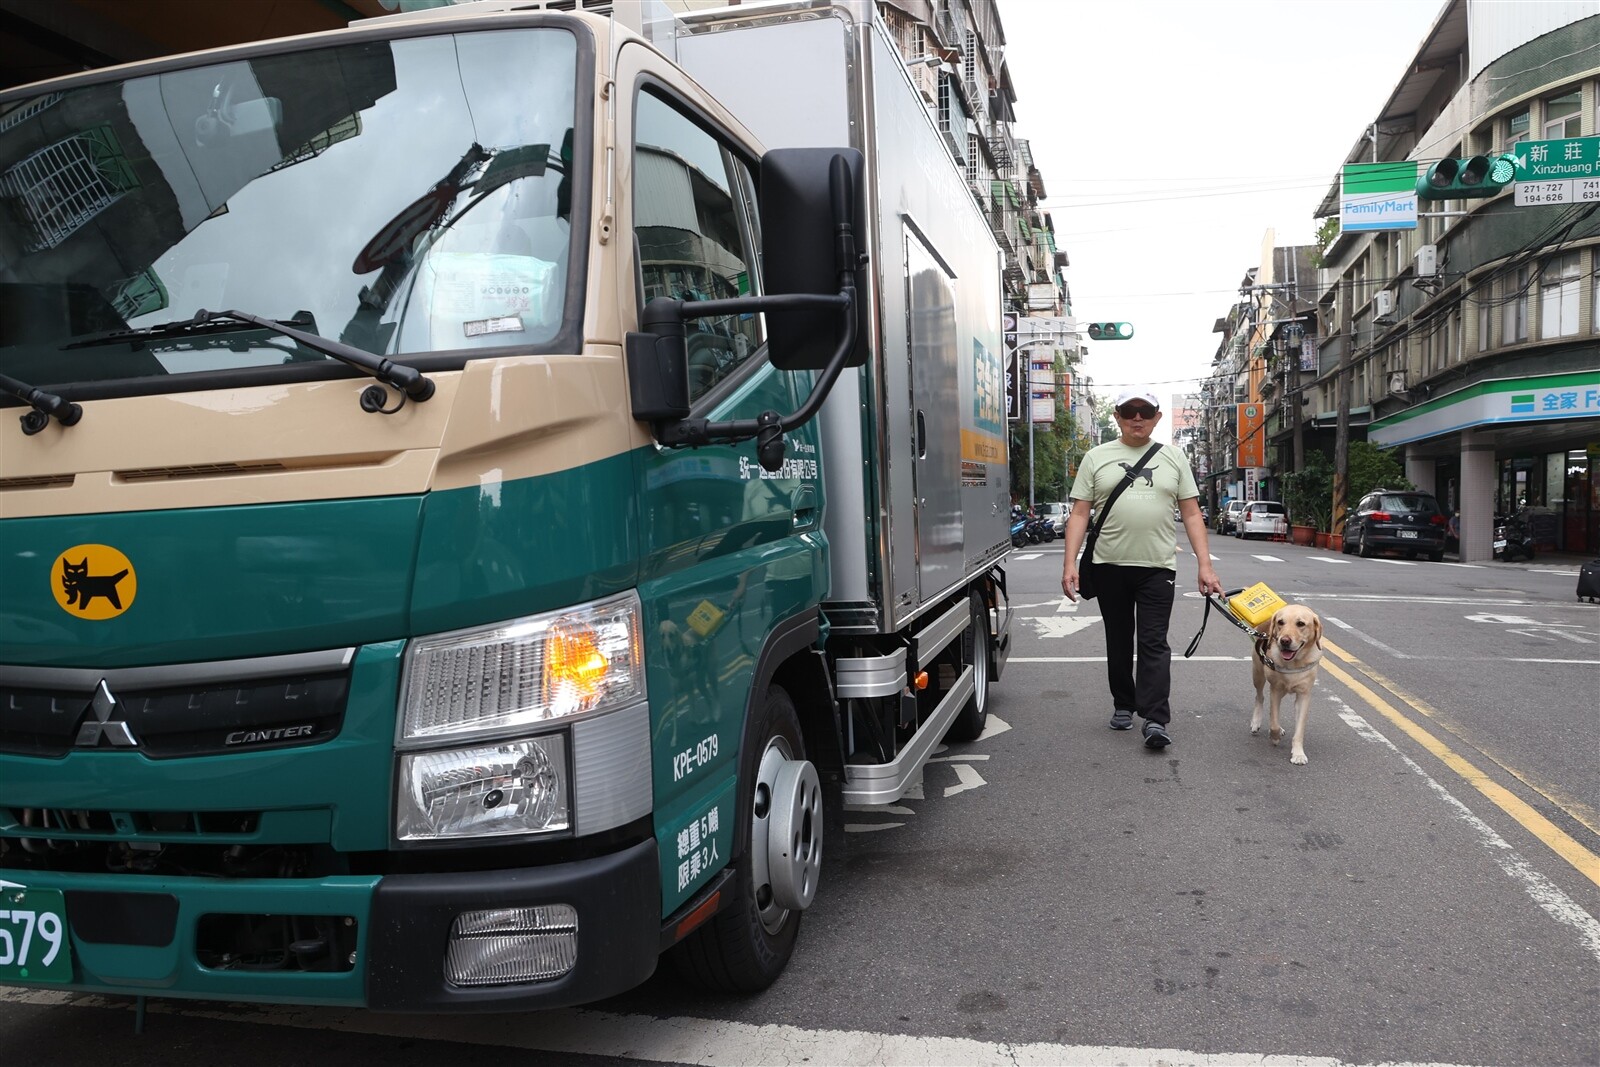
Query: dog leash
{"type": "Point", "coordinates": [1259, 639]}
{"type": "Point", "coordinates": [1226, 613]}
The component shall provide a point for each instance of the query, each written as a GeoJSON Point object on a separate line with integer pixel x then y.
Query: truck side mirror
{"type": "Point", "coordinates": [800, 253]}
{"type": "Point", "coordinates": [816, 290]}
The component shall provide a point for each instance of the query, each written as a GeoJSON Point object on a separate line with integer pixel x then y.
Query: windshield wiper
{"type": "Point", "coordinates": [408, 381]}
{"type": "Point", "coordinates": [44, 406]}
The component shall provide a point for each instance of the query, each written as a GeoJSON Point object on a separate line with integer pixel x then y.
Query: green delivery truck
{"type": "Point", "coordinates": [479, 491]}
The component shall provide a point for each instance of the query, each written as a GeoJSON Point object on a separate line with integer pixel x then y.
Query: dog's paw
{"type": "Point", "coordinates": [1255, 728]}
{"type": "Point", "coordinates": [1298, 758]}
{"type": "Point", "coordinates": [1277, 734]}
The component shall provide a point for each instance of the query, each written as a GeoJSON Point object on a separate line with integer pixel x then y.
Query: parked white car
{"type": "Point", "coordinates": [1056, 515]}
{"type": "Point", "coordinates": [1263, 518]}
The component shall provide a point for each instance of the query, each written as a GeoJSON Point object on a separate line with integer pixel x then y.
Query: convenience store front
{"type": "Point", "coordinates": [1528, 444]}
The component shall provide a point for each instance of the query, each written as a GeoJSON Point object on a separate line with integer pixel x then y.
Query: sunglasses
{"type": "Point", "coordinates": [1137, 411]}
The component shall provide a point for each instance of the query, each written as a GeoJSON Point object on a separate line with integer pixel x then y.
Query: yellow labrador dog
{"type": "Point", "coordinates": [1285, 661]}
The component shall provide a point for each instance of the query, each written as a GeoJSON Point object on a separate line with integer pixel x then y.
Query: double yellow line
{"type": "Point", "coordinates": [1559, 841]}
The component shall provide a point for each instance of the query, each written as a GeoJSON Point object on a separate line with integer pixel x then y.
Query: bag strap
{"type": "Point", "coordinates": [1133, 472]}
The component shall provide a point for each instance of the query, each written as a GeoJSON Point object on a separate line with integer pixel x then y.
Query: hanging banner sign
{"type": "Point", "coordinates": [1252, 435]}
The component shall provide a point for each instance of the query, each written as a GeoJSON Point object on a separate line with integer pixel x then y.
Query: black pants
{"type": "Point", "coordinates": [1137, 601]}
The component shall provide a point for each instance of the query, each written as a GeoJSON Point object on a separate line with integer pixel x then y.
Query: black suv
{"type": "Point", "coordinates": [1402, 520]}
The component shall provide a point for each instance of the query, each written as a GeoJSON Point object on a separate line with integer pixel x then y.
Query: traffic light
{"type": "Point", "coordinates": [1462, 179]}
{"type": "Point", "coordinates": [1110, 331]}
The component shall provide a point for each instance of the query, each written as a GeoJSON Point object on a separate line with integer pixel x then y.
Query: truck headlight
{"type": "Point", "coordinates": [524, 672]}
{"type": "Point", "coordinates": [514, 787]}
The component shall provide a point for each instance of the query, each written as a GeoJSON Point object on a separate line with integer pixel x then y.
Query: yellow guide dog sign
{"type": "Point", "coordinates": [1255, 605]}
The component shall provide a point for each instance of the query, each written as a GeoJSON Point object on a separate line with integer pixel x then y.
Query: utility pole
{"type": "Point", "coordinates": [1341, 437]}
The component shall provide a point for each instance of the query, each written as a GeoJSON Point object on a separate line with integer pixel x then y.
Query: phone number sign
{"type": "Point", "coordinates": [1565, 171]}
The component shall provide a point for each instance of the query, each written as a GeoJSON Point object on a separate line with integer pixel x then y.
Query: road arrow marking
{"type": "Point", "coordinates": [970, 779]}
{"type": "Point", "coordinates": [993, 727]}
{"type": "Point", "coordinates": [1048, 628]}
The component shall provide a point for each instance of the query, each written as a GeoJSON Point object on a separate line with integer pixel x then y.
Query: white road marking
{"type": "Point", "coordinates": [993, 727]}
{"type": "Point", "coordinates": [1373, 641]}
{"type": "Point", "coordinates": [969, 779]}
{"type": "Point", "coordinates": [1068, 604]}
{"type": "Point", "coordinates": [1536, 631]}
{"type": "Point", "coordinates": [1268, 559]}
{"type": "Point", "coordinates": [1468, 566]}
{"type": "Point", "coordinates": [1395, 562]}
{"type": "Point", "coordinates": [1049, 627]}
{"type": "Point", "coordinates": [1545, 893]}
{"type": "Point", "coordinates": [959, 757]}
{"type": "Point", "coordinates": [888, 809]}
{"type": "Point", "coordinates": [681, 1039]}
{"type": "Point", "coordinates": [1027, 555]}
{"type": "Point", "coordinates": [869, 827]}
{"type": "Point", "coordinates": [1328, 559]}
{"type": "Point", "coordinates": [1101, 659]}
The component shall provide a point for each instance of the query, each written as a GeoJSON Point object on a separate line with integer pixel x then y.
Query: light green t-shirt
{"type": "Point", "coordinates": [1139, 531]}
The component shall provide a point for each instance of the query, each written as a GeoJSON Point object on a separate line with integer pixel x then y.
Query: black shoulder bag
{"type": "Point", "coordinates": [1086, 587]}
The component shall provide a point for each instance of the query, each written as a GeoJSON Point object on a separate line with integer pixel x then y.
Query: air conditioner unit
{"type": "Point", "coordinates": [1427, 261]}
{"type": "Point", "coordinates": [1383, 303]}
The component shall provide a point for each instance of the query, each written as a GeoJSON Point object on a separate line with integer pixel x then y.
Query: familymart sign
{"type": "Point", "coordinates": [1553, 397]}
{"type": "Point", "coordinates": [1378, 196]}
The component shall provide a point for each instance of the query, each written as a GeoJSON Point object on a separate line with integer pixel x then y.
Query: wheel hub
{"type": "Point", "coordinates": [786, 834]}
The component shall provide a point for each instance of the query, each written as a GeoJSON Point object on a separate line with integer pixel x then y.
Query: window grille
{"type": "Point", "coordinates": [23, 114]}
{"type": "Point", "coordinates": [60, 188]}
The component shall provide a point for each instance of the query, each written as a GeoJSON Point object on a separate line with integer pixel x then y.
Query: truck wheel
{"type": "Point", "coordinates": [972, 718]}
{"type": "Point", "coordinates": [746, 945]}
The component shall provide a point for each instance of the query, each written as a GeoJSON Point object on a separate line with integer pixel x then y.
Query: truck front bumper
{"type": "Point", "coordinates": [617, 898]}
{"type": "Point", "coordinates": [134, 935]}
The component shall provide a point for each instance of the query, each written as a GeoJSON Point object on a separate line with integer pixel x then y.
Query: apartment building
{"type": "Point", "coordinates": [1472, 343]}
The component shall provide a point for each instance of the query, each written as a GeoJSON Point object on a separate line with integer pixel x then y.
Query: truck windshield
{"type": "Point", "coordinates": [403, 197]}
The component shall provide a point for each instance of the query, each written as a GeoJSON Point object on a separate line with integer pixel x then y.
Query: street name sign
{"type": "Point", "coordinates": [1565, 171]}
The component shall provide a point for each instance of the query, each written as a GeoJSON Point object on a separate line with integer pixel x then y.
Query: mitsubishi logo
{"type": "Point", "coordinates": [102, 726]}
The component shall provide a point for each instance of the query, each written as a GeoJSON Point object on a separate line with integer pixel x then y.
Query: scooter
{"type": "Point", "coordinates": [1512, 538]}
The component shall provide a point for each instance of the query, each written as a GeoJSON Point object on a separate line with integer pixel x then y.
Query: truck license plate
{"type": "Point", "coordinates": [1409, 533]}
{"type": "Point", "coordinates": [33, 936]}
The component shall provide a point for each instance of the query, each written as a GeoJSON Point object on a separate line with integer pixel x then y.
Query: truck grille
{"type": "Point", "coordinates": [184, 721]}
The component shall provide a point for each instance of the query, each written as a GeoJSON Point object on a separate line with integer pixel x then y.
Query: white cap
{"type": "Point", "coordinates": [1136, 392]}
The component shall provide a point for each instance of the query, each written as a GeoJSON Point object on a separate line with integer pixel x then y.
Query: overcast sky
{"type": "Point", "coordinates": [1172, 134]}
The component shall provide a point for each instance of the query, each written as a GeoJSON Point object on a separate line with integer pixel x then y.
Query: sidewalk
{"type": "Point", "coordinates": [1543, 559]}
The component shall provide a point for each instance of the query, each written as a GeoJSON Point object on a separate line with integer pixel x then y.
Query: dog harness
{"type": "Point", "coordinates": [1262, 641]}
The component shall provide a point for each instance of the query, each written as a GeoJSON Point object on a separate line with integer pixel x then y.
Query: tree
{"type": "Point", "coordinates": [1372, 468]}
{"type": "Point", "coordinates": [1308, 492]}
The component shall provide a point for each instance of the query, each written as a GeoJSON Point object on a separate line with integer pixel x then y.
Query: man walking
{"type": "Point", "coordinates": [1136, 558]}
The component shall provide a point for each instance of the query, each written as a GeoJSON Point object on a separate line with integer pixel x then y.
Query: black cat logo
{"type": "Point", "coordinates": [1143, 473]}
{"type": "Point", "coordinates": [82, 587]}
{"type": "Point", "coordinates": [93, 582]}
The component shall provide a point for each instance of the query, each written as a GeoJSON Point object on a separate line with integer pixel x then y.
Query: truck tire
{"type": "Point", "coordinates": [746, 945]}
{"type": "Point", "coordinates": [974, 716]}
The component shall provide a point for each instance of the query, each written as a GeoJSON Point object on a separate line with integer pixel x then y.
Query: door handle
{"type": "Point", "coordinates": [804, 506]}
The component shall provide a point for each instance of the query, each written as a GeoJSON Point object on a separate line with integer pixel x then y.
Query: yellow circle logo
{"type": "Point", "coordinates": [93, 582]}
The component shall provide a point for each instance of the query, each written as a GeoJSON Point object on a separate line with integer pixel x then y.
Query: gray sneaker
{"type": "Point", "coordinates": [1155, 735]}
{"type": "Point", "coordinates": [1122, 719]}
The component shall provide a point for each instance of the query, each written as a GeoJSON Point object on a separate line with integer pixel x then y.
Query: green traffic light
{"type": "Point", "coordinates": [1110, 331]}
{"type": "Point", "coordinates": [1467, 178]}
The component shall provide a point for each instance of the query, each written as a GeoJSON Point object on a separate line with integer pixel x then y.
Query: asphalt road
{"type": "Point", "coordinates": [1425, 890]}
